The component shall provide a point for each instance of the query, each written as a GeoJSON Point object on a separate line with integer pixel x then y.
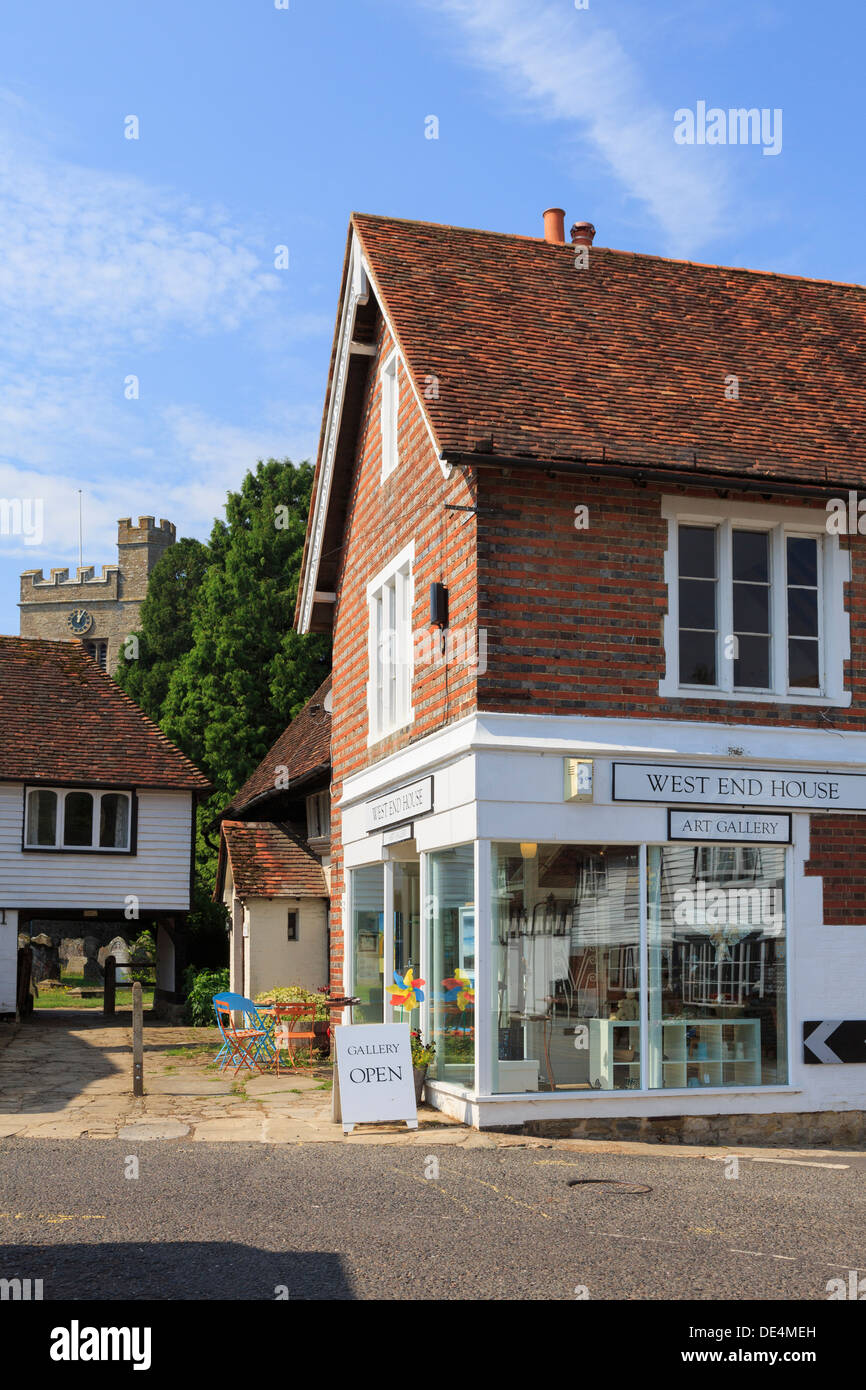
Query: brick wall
{"type": "Point", "coordinates": [574, 617]}
{"type": "Point", "coordinates": [837, 854]}
{"type": "Point", "coordinates": [382, 518]}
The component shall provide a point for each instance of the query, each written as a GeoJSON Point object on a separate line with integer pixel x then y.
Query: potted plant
{"type": "Point", "coordinates": [422, 1055]}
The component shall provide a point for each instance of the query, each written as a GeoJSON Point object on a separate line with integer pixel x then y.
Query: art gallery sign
{"type": "Point", "coordinates": [774, 788]}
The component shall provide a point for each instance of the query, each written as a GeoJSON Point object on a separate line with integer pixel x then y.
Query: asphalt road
{"type": "Point", "coordinates": [233, 1221]}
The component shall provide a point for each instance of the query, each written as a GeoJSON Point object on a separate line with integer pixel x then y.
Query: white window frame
{"type": "Point", "coordinates": [834, 571]}
{"type": "Point", "coordinates": [390, 600]}
{"type": "Point", "coordinates": [389, 413]}
{"type": "Point", "coordinates": [94, 847]}
{"type": "Point", "coordinates": [319, 815]}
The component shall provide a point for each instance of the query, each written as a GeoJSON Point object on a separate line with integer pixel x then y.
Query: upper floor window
{"type": "Point", "coordinates": [98, 652]}
{"type": "Point", "coordinates": [755, 603]}
{"type": "Point", "coordinates": [389, 685]}
{"type": "Point", "coordinates": [318, 815]}
{"type": "Point", "coordinates": [77, 819]}
{"type": "Point", "coordinates": [390, 408]}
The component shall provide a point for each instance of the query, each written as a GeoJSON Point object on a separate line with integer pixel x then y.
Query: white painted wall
{"type": "Point", "coordinates": [501, 777]}
{"type": "Point", "coordinates": [270, 959]}
{"type": "Point", "coordinates": [157, 874]}
{"type": "Point", "coordinates": [8, 961]}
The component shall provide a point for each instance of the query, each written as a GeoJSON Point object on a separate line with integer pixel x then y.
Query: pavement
{"type": "Point", "coordinates": [66, 1074]}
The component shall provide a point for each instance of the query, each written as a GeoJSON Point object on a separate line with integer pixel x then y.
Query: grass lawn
{"type": "Point", "coordinates": [59, 998]}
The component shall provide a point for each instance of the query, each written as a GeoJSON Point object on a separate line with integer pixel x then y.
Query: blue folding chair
{"type": "Point", "coordinates": [243, 1045]}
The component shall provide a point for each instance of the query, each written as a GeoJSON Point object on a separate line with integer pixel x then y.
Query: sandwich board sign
{"type": "Point", "coordinates": [374, 1073]}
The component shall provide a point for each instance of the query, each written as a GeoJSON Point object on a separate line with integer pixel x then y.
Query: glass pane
{"type": "Point", "coordinates": [752, 665]}
{"type": "Point", "coordinates": [802, 613]}
{"type": "Point", "coordinates": [697, 603]}
{"type": "Point", "coordinates": [114, 821]}
{"type": "Point", "coordinates": [368, 940]}
{"type": "Point", "coordinates": [802, 560]}
{"type": "Point", "coordinates": [751, 556]}
{"type": "Point", "coordinates": [751, 608]}
{"type": "Point", "coordinates": [566, 938]}
{"type": "Point", "coordinates": [78, 819]}
{"type": "Point", "coordinates": [717, 998]}
{"type": "Point", "coordinates": [697, 546]}
{"type": "Point", "coordinates": [407, 931]}
{"type": "Point", "coordinates": [698, 658]}
{"type": "Point", "coordinates": [803, 664]}
{"type": "Point", "coordinates": [42, 818]}
{"type": "Point", "coordinates": [451, 927]}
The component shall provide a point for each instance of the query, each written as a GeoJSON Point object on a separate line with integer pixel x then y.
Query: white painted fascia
{"type": "Point", "coordinates": [835, 621]}
{"type": "Point", "coordinates": [357, 294]}
{"type": "Point", "coordinates": [360, 278]}
{"type": "Point", "coordinates": [676, 739]}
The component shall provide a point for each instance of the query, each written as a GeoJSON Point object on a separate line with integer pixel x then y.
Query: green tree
{"type": "Point", "coordinates": [247, 673]}
{"type": "Point", "coordinates": [165, 625]}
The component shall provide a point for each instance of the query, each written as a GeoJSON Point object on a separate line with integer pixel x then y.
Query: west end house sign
{"type": "Point", "coordinates": [404, 804]}
{"type": "Point", "coordinates": [725, 786]}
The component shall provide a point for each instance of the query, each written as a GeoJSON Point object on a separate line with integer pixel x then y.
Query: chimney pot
{"type": "Point", "coordinates": [582, 233]}
{"type": "Point", "coordinates": [554, 226]}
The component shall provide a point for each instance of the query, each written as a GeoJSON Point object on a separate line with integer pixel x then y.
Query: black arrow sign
{"type": "Point", "coordinates": [835, 1040]}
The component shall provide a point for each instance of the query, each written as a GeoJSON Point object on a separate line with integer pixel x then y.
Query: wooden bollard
{"type": "Point", "coordinates": [137, 1041]}
{"type": "Point", "coordinates": [109, 987]}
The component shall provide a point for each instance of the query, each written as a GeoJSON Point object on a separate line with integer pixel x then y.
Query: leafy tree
{"type": "Point", "coordinates": [247, 672]}
{"type": "Point", "coordinates": [165, 625]}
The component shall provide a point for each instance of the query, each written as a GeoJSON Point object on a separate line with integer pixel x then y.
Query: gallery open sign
{"type": "Point", "coordinates": [374, 1062]}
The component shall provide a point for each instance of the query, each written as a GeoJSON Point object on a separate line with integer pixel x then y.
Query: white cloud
{"type": "Point", "coordinates": [93, 259]}
{"type": "Point", "coordinates": [565, 65]}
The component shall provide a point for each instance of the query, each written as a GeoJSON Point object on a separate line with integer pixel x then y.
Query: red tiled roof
{"type": "Point", "coordinates": [627, 358]}
{"type": "Point", "coordinates": [269, 861]}
{"type": "Point", "coordinates": [302, 749]}
{"type": "Point", "coordinates": [64, 720]}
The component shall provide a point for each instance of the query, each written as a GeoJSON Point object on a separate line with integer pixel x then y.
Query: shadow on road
{"type": "Point", "coordinates": [194, 1270]}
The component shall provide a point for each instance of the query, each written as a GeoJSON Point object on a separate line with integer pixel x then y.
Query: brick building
{"type": "Point", "coordinates": [100, 610]}
{"type": "Point", "coordinates": [584, 529]}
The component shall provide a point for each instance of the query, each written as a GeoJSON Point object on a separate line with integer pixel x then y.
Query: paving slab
{"type": "Point", "coordinates": [58, 1129]}
{"type": "Point", "coordinates": [219, 1131]}
{"type": "Point", "coordinates": [273, 1085]}
{"type": "Point", "coordinates": [11, 1126]}
{"type": "Point", "coordinates": [186, 1086]}
{"type": "Point", "coordinates": [153, 1129]}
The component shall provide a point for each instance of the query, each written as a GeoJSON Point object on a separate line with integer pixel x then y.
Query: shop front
{"type": "Point", "coordinates": [632, 938]}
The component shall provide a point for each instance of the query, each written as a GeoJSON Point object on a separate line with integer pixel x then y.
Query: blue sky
{"type": "Point", "coordinates": [261, 127]}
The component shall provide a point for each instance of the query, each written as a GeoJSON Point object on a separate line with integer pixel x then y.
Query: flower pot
{"type": "Point", "coordinates": [420, 1075]}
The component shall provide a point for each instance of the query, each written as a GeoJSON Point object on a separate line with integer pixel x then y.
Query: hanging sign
{"type": "Point", "coordinates": [402, 805]}
{"type": "Point", "coordinates": [374, 1063]}
{"type": "Point", "coordinates": [745, 827]}
{"type": "Point", "coordinates": [835, 1040]}
{"type": "Point", "coordinates": [735, 786]}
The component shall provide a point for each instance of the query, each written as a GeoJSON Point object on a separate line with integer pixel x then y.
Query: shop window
{"type": "Point", "coordinates": [451, 983]}
{"type": "Point", "coordinates": [389, 685]}
{"type": "Point", "coordinates": [368, 942]}
{"type": "Point", "coordinates": [77, 819]}
{"type": "Point", "coordinates": [569, 983]}
{"type": "Point", "coordinates": [756, 605]}
{"type": "Point", "coordinates": [566, 922]}
{"type": "Point", "coordinates": [717, 1002]}
{"type": "Point", "coordinates": [406, 888]}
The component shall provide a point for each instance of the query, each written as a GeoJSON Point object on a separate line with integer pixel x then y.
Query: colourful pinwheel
{"type": "Point", "coordinates": [408, 994]}
{"type": "Point", "coordinates": [459, 990]}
